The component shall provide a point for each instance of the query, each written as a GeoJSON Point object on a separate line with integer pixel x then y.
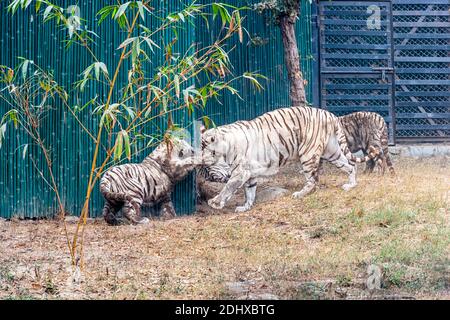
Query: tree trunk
{"type": "Point", "coordinates": [292, 60]}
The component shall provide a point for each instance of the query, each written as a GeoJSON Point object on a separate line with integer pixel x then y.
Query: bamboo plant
{"type": "Point", "coordinates": [183, 82]}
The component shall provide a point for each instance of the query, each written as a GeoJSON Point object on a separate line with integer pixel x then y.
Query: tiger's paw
{"type": "Point", "coordinates": [298, 195]}
{"type": "Point", "coordinates": [144, 220]}
{"type": "Point", "coordinates": [216, 203]}
{"type": "Point", "coordinates": [242, 209]}
{"type": "Point", "coordinates": [348, 186]}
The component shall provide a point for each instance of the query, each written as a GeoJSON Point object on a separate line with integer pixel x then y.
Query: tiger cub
{"type": "Point", "coordinates": [260, 146]}
{"type": "Point", "coordinates": [364, 130]}
{"type": "Point", "coordinates": [150, 182]}
{"type": "Point", "coordinates": [208, 178]}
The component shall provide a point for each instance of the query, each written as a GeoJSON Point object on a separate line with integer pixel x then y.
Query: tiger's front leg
{"type": "Point", "coordinates": [167, 210]}
{"type": "Point", "coordinates": [237, 180]}
{"type": "Point", "coordinates": [250, 195]}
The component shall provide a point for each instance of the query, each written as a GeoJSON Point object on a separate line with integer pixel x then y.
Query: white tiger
{"type": "Point", "coordinates": [260, 146]}
{"type": "Point", "coordinates": [129, 186]}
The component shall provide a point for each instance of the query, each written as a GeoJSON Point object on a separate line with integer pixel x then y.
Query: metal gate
{"type": "Point", "coordinates": [391, 57]}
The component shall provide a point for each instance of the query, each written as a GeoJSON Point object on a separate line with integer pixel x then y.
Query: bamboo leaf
{"type": "Point", "coordinates": [118, 146]}
{"type": "Point", "coordinates": [38, 5]}
{"type": "Point", "coordinates": [135, 50]}
{"type": "Point", "coordinates": [126, 42]}
{"type": "Point", "coordinates": [253, 80]}
{"type": "Point", "coordinates": [239, 26]}
{"type": "Point", "coordinates": [25, 65]}
{"type": "Point", "coordinates": [121, 10]}
{"type": "Point", "coordinates": [176, 81]}
{"type": "Point", "coordinates": [105, 12]}
{"type": "Point", "coordinates": [97, 71]}
{"type": "Point", "coordinates": [47, 11]}
{"type": "Point", "coordinates": [151, 43]}
{"type": "Point", "coordinates": [126, 140]}
{"type": "Point", "coordinates": [2, 133]}
{"type": "Point", "coordinates": [165, 103]}
{"type": "Point", "coordinates": [24, 151]}
{"type": "Point", "coordinates": [141, 9]}
{"type": "Point", "coordinates": [103, 68]}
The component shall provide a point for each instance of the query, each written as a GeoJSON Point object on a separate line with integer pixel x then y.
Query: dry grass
{"type": "Point", "coordinates": [318, 247]}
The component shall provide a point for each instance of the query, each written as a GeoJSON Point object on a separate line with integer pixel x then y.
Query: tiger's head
{"type": "Point", "coordinates": [214, 147]}
{"type": "Point", "coordinates": [176, 156]}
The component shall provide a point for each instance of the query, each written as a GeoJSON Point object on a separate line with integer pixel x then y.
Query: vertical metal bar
{"type": "Point", "coordinates": [392, 110]}
{"type": "Point", "coordinates": [316, 76]}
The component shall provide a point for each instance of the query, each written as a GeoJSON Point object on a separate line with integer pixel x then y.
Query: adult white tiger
{"type": "Point", "coordinates": [260, 146]}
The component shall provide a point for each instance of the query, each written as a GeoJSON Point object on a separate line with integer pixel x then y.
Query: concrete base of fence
{"type": "Point", "coordinates": [420, 150]}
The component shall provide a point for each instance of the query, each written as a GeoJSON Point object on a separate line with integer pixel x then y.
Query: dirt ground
{"type": "Point", "coordinates": [324, 246]}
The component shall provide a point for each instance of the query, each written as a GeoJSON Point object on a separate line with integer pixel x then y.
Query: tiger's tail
{"type": "Point", "coordinates": [373, 152]}
{"type": "Point", "coordinates": [384, 147]}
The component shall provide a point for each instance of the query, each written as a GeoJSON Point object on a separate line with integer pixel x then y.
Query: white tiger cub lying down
{"type": "Point", "coordinates": [151, 182]}
{"type": "Point", "coordinates": [260, 146]}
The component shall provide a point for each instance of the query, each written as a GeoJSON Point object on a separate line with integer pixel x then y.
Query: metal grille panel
{"type": "Point", "coordinates": [401, 68]}
{"type": "Point", "coordinates": [356, 59]}
{"type": "Point", "coordinates": [422, 69]}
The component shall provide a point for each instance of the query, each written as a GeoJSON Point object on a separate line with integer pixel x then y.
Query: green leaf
{"type": "Point", "coordinates": [126, 140]}
{"type": "Point", "coordinates": [126, 42]}
{"type": "Point", "coordinates": [239, 26]}
{"type": "Point", "coordinates": [151, 43]}
{"type": "Point", "coordinates": [2, 133]}
{"type": "Point", "coordinates": [100, 66]}
{"type": "Point", "coordinates": [165, 103]}
{"type": "Point", "coordinates": [38, 5]}
{"type": "Point", "coordinates": [176, 81]}
{"type": "Point", "coordinates": [12, 114]}
{"type": "Point", "coordinates": [135, 50]}
{"type": "Point", "coordinates": [121, 10]}
{"type": "Point", "coordinates": [24, 151]}
{"type": "Point", "coordinates": [47, 11]}
{"type": "Point", "coordinates": [103, 68]}
{"type": "Point", "coordinates": [141, 9]}
{"type": "Point", "coordinates": [25, 68]}
{"type": "Point", "coordinates": [130, 111]}
{"type": "Point", "coordinates": [252, 77]}
{"type": "Point", "coordinates": [118, 146]}
{"type": "Point", "coordinates": [105, 12]}
{"type": "Point", "coordinates": [97, 71]}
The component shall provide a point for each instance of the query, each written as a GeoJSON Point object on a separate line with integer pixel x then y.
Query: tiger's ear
{"type": "Point", "coordinates": [202, 129]}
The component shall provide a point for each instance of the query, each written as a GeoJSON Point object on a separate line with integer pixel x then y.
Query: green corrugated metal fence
{"type": "Point", "coordinates": [23, 191]}
{"type": "Point", "coordinates": [262, 53]}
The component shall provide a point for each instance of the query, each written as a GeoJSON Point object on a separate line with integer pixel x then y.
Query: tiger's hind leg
{"type": "Point", "coordinates": [250, 195]}
{"type": "Point", "coordinates": [370, 166]}
{"type": "Point", "coordinates": [132, 211]}
{"type": "Point", "coordinates": [311, 172]}
{"type": "Point", "coordinates": [109, 213]}
{"type": "Point", "coordinates": [384, 146]}
{"type": "Point", "coordinates": [334, 155]}
{"type": "Point", "coordinates": [381, 164]}
{"type": "Point", "coordinates": [388, 162]}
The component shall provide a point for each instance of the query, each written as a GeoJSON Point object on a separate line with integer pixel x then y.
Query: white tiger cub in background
{"type": "Point", "coordinates": [260, 146]}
